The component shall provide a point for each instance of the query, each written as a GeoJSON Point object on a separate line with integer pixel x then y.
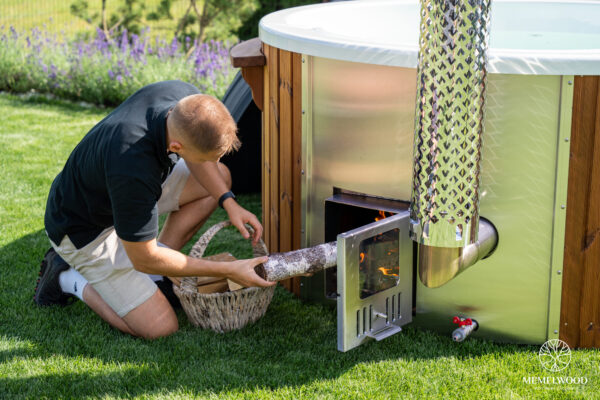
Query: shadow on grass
{"type": "Point", "coordinates": [70, 351]}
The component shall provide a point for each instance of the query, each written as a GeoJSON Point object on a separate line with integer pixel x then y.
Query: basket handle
{"type": "Point", "coordinates": [259, 249]}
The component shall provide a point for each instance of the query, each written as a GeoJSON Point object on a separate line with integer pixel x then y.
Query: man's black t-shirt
{"type": "Point", "coordinates": [114, 175]}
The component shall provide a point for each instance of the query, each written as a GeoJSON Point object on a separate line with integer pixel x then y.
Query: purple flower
{"type": "Point", "coordinates": [111, 74]}
{"type": "Point", "coordinates": [119, 78]}
{"type": "Point", "coordinates": [174, 47]}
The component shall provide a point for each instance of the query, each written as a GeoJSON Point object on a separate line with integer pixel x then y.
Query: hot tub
{"type": "Point", "coordinates": [339, 92]}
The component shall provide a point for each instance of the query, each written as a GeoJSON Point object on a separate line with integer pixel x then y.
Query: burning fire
{"type": "Point", "coordinates": [381, 216]}
{"type": "Point", "coordinates": [362, 257]}
{"type": "Point", "coordinates": [387, 271]}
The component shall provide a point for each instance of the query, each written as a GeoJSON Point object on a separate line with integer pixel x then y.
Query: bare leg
{"type": "Point", "coordinates": [97, 304]}
{"type": "Point", "coordinates": [152, 319]}
{"type": "Point", "coordinates": [196, 205]}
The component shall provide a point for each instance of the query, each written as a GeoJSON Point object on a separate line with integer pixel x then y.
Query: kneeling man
{"type": "Point", "coordinates": [156, 153]}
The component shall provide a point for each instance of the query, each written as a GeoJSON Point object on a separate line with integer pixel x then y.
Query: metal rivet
{"type": "Point", "coordinates": [562, 206]}
{"type": "Point", "coordinates": [303, 60]}
{"type": "Point", "coordinates": [555, 331]}
{"type": "Point", "coordinates": [303, 112]}
{"type": "Point", "coordinates": [570, 82]}
{"type": "Point", "coordinates": [302, 172]}
{"type": "Point", "coordinates": [566, 323]}
{"type": "Point", "coordinates": [301, 230]}
{"type": "Point", "coordinates": [559, 272]}
{"type": "Point", "coordinates": [591, 323]}
{"type": "Point", "coordinates": [566, 139]}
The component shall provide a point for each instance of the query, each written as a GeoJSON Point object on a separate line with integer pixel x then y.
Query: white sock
{"type": "Point", "coordinates": [71, 281]}
{"type": "Point", "coordinates": [157, 278]}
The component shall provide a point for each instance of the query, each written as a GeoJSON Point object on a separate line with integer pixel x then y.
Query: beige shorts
{"type": "Point", "coordinates": [104, 262]}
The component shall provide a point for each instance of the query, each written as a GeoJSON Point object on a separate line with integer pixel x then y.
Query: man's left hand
{"type": "Point", "coordinates": [239, 216]}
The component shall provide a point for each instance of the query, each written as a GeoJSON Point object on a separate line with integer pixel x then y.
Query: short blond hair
{"type": "Point", "coordinates": [206, 123]}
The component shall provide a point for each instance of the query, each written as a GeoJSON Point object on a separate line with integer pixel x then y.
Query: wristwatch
{"type": "Point", "coordinates": [225, 196]}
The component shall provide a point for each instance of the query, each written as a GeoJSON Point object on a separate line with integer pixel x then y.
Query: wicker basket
{"type": "Point", "coordinates": [222, 312]}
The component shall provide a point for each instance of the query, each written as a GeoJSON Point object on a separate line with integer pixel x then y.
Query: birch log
{"type": "Point", "coordinates": [298, 262]}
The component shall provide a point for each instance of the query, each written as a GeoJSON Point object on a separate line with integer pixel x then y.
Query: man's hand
{"type": "Point", "coordinates": [147, 257]}
{"type": "Point", "coordinates": [242, 272]}
{"type": "Point", "coordinates": [239, 216]}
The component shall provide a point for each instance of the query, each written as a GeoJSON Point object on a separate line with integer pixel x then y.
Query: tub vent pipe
{"type": "Point", "coordinates": [451, 78]}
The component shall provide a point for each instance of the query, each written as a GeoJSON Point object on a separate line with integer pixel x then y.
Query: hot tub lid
{"type": "Point", "coordinates": [526, 37]}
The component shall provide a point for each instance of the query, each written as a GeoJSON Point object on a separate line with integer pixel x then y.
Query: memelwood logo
{"type": "Point", "coordinates": [554, 356]}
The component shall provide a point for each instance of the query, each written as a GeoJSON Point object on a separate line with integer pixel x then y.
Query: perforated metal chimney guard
{"type": "Point", "coordinates": [451, 77]}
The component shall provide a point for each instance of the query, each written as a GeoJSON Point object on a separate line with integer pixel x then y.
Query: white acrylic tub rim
{"type": "Point", "coordinates": [526, 37]}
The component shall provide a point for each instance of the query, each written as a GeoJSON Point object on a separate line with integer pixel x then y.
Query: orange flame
{"type": "Point", "coordinates": [387, 271]}
{"type": "Point", "coordinates": [381, 216]}
{"type": "Point", "coordinates": [362, 257]}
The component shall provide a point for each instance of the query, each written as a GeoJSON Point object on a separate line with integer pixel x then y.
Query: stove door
{"type": "Point", "coordinates": [374, 280]}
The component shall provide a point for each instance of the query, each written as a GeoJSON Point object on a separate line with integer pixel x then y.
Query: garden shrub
{"type": "Point", "coordinates": [106, 71]}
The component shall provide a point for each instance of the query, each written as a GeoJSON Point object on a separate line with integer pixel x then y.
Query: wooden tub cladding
{"type": "Point", "coordinates": [278, 90]}
{"type": "Point", "coordinates": [580, 308]}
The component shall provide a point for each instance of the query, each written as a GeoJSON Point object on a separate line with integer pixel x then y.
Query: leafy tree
{"type": "Point", "coordinates": [249, 27]}
{"type": "Point", "coordinates": [208, 19]}
{"type": "Point", "coordinates": [128, 16]}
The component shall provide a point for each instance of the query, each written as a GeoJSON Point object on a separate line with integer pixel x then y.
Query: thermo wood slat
{"type": "Point", "coordinates": [285, 151]}
{"type": "Point", "coordinates": [580, 308]}
{"type": "Point", "coordinates": [282, 153]}
{"type": "Point", "coordinates": [273, 61]}
{"type": "Point", "coordinates": [266, 152]}
{"type": "Point", "coordinates": [297, 158]}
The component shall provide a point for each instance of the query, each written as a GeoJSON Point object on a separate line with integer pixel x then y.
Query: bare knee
{"type": "Point", "coordinates": [226, 174]}
{"type": "Point", "coordinates": [160, 329]}
{"type": "Point", "coordinates": [153, 319]}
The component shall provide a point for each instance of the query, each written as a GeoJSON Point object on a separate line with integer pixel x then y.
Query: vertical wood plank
{"type": "Point", "coordinates": [266, 151]}
{"type": "Point", "coordinates": [274, 147]}
{"type": "Point", "coordinates": [590, 295]}
{"type": "Point", "coordinates": [296, 158]}
{"type": "Point", "coordinates": [285, 151]}
{"type": "Point", "coordinates": [580, 288]}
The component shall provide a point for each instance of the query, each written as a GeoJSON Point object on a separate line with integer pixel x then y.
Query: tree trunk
{"type": "Point", "coordinates": [298, 262]}
{"type": "Point", "coordinates": [104, 27]}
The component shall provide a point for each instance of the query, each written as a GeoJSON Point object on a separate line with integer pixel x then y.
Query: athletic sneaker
{"type": "Point", "coordinates": [47, 289]}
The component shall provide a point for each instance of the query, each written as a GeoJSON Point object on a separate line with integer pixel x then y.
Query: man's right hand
{"type": "Point", "coordinates": [242, 272]}
{"type": "Point", "coordinates": [147, 257]}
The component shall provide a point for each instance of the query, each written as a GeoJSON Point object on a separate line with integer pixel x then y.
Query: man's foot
{"type": "Point", "coordinates": [47, 289]}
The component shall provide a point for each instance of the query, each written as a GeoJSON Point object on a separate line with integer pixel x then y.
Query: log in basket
{"type": "Point", "coordinates": [227, 311]}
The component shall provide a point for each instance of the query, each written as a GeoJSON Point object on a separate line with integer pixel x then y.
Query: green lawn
{"type": "Point", "coordinates": [290, 353]}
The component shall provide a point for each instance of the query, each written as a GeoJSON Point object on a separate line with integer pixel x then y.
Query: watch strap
{"type": "Point", "coordinates": [225, 196]}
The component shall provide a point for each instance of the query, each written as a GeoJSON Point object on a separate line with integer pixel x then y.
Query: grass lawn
{"type": "Point", "coordinates": [290, 353]}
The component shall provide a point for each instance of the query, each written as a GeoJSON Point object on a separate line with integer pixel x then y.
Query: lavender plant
{"type": "Point", "coordinates": [106, 71]}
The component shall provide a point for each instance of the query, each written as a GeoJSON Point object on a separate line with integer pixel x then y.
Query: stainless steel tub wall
{"type": "Point", "coordinates": [358, 135]}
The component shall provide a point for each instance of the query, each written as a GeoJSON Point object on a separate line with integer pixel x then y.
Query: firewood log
{"type": "Point", "coordinates": [298, 262]}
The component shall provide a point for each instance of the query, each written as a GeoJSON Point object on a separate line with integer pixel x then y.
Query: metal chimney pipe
{"type": "Point", "coordinates": [438, 265]}
{"type": "Point", "coordinates": [451, 80]}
